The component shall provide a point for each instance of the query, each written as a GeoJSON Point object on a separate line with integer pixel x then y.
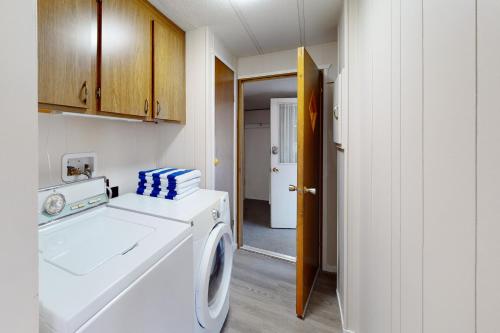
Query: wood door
{"type": "Point", "coordinates": [169, 72]}
{"type": "Point", "coordinates": [224, 129]}
{"type": "Point", "coordinates": [64, 52]}
{"type": "Point", "coordinates": [126, 60]}
{"type": "Point", "coordinates": [308, 177]}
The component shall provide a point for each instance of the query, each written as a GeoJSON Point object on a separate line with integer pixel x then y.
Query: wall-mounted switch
{"type": "Point", "coordinates": [78, 166]}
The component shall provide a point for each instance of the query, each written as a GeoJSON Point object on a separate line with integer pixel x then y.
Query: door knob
{"type": "Point", "coordinates": [310, 190]}
{"type": "Point", "coordinates": [275, 169]}
{"type": "Point", "coordinates": [216, 161]}
{"type": "Point", "coordinates": [292, 188]}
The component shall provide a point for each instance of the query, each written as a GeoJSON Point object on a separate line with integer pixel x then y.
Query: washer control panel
{"type": "Point", "coordinates": [57, 202]}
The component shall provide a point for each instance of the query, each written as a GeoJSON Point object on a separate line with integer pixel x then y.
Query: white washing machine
{"type": "Point", "coordinates": [208, 212]}
{"type": "Point", "coordinates": [104, 269]}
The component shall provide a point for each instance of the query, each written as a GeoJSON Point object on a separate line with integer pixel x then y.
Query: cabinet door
{"type": "Point", "coordinates": [126, 67]}
{"type": "Point", "coordinates": [169, 72]}
{"type": "Point", "coordinates": [64, 52]}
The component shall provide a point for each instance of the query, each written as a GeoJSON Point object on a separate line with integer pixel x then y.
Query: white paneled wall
{"type": "Point", "coordinates": [122, 148]}
{"type": "Point", "coordinates": [18, 175]}
{"type": "Point", "coordinates": [449, 90]}
{"type": "Point", "coordinates": [488, 166]}
{"type": "Point", "coordinates": [422, 186]}
{"type": "Point", "coordinates": [411, 166]}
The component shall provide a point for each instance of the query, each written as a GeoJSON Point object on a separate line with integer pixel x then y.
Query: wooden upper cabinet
{"type": "Point", "coordinates": [126, 61]}
{"type": "Point", "coordinates": [65, 52]}
{"type": "Point", "coordinates": [169, 71]}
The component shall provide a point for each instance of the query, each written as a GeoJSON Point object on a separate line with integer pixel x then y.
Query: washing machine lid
{"type": "Point", "coordinates": [184, 210]}
{"type": "Point", "coordinates": [82, 247]}
{"type": "Point", "coordinates": [87, 260]}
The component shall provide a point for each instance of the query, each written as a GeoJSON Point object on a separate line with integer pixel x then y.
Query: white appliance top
{"type": "Point", "coordinates": [88, 242]}
{"type": "Point", "coordinates": [184, 210]}
{"type": "Point", "coordinates": [87, 259]}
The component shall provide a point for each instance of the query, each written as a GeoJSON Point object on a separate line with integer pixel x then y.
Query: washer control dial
{"type": "Point", "coordinates": [54, 204]}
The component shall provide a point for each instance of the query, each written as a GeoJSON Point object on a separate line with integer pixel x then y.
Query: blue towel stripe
{"type": "Point", "coordinates": [158, 174]}
{"type": "Point", "coordinates": [143, 173]}
{"type": "Point", "coordinates": [157, 185]}
{"type": "Point", "coordinates": [155, 191]}
{"type": "Point", "coordinates": [173, 176]}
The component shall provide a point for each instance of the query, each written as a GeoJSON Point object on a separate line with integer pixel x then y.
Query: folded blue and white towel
{"type": "Point", "coordinates": [173, 192]}
{"type": "Point", "coordinates": [170, 195]}
{"type": "Point", "coordinates": [166, 185]}
{"type": "Point", "coordinates": [173, 175]}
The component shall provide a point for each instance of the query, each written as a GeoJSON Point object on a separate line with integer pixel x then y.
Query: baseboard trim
{"type": "Point", "coordinates": [269, 253]}
{"type": "Point", "coordinates": [344, 330]}
{"type": "Point", "coordinates": [330, 268]}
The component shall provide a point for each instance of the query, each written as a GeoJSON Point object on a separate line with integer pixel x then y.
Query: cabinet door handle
{"type": "Point", "coordinates": [85, 92]}
{"type": "Point", "coordinates": [158, 108]}
{"type": "Point", "coordinates": [146, 106]}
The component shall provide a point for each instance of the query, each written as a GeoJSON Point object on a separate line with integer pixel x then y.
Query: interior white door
{"type": "Point", "coordinates": [283, 162]}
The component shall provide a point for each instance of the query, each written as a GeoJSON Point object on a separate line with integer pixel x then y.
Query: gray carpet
{"type": "Point", "coordinates": [258, 233]}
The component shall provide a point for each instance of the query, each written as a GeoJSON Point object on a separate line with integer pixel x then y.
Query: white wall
{"type": "Point", "coordinates": [122, 148]}
{"type": "Point", "coordinates": [18, 176]}
{"type": "Point", "coordinates": [257, 154]}
{"type": "Point", "coordinates": [422, 186]}
{"type": "Point", "coordinates": [323, 55]}
{"type": "Point", "coordinates": [488, 164]}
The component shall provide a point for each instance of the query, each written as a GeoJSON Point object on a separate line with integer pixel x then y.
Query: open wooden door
{"type": "Point", "coordinates": [308, 177]}
{"type": "Point", "coordinates": [224, 130]}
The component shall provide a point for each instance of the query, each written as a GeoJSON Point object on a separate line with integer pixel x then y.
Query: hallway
{"type": "Point", "coordinates": [263, 299]}
{"type": "Point", "coordinates": [257, 231]}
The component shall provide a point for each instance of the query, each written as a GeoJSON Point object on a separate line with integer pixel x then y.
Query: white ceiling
{"type": "Point", "coordinates": [251, 27]}
{"type": "Point", "coordinates": [258, 94]}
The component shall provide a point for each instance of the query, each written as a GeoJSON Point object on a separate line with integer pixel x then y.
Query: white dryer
{"type": "Point", "coordinates": [104, 269]}
{"type": "Point", "coordinates": [208, 212]}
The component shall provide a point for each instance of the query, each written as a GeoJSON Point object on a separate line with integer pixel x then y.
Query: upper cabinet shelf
{"type": "Point", "coordinates": [111, 57]}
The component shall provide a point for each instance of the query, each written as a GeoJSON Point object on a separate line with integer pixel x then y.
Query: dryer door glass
{"type": "Point", "coordinates": [216, 273]}
{"type": "Point", "coordinates": [214, 277]}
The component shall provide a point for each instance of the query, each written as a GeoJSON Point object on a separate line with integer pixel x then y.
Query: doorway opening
{"type": "Point", "coordinates": [270, 166]}
{"type": "Point", "coordinates": [309, 161]}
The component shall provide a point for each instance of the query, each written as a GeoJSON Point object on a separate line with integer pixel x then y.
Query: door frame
{"type": "Point", "coordinates": [240, 137]}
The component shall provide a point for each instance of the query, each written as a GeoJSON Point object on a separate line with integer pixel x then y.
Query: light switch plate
{"type": "Point", "coordinates": [78, 160]}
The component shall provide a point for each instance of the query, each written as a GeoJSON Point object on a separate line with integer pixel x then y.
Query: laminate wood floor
{"type": "Point", "coordinates": [263, 299]}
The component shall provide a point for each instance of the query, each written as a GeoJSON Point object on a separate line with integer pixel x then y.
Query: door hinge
{"type": "Point", "coordinates": [98, 93]}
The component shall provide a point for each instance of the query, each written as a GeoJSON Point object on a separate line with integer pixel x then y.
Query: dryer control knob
{"type": "Point", "coordinates": [215, 214]}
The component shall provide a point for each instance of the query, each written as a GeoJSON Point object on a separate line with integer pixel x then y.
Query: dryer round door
{"type": "Point", "coordinates": [214, 277]}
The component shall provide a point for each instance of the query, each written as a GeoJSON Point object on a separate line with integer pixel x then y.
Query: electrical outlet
{"type": "Point", "coordinates": [78, 166]}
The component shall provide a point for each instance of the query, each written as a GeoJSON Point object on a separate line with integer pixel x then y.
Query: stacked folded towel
{"type": "Point", "coordinates": [168, 183]}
